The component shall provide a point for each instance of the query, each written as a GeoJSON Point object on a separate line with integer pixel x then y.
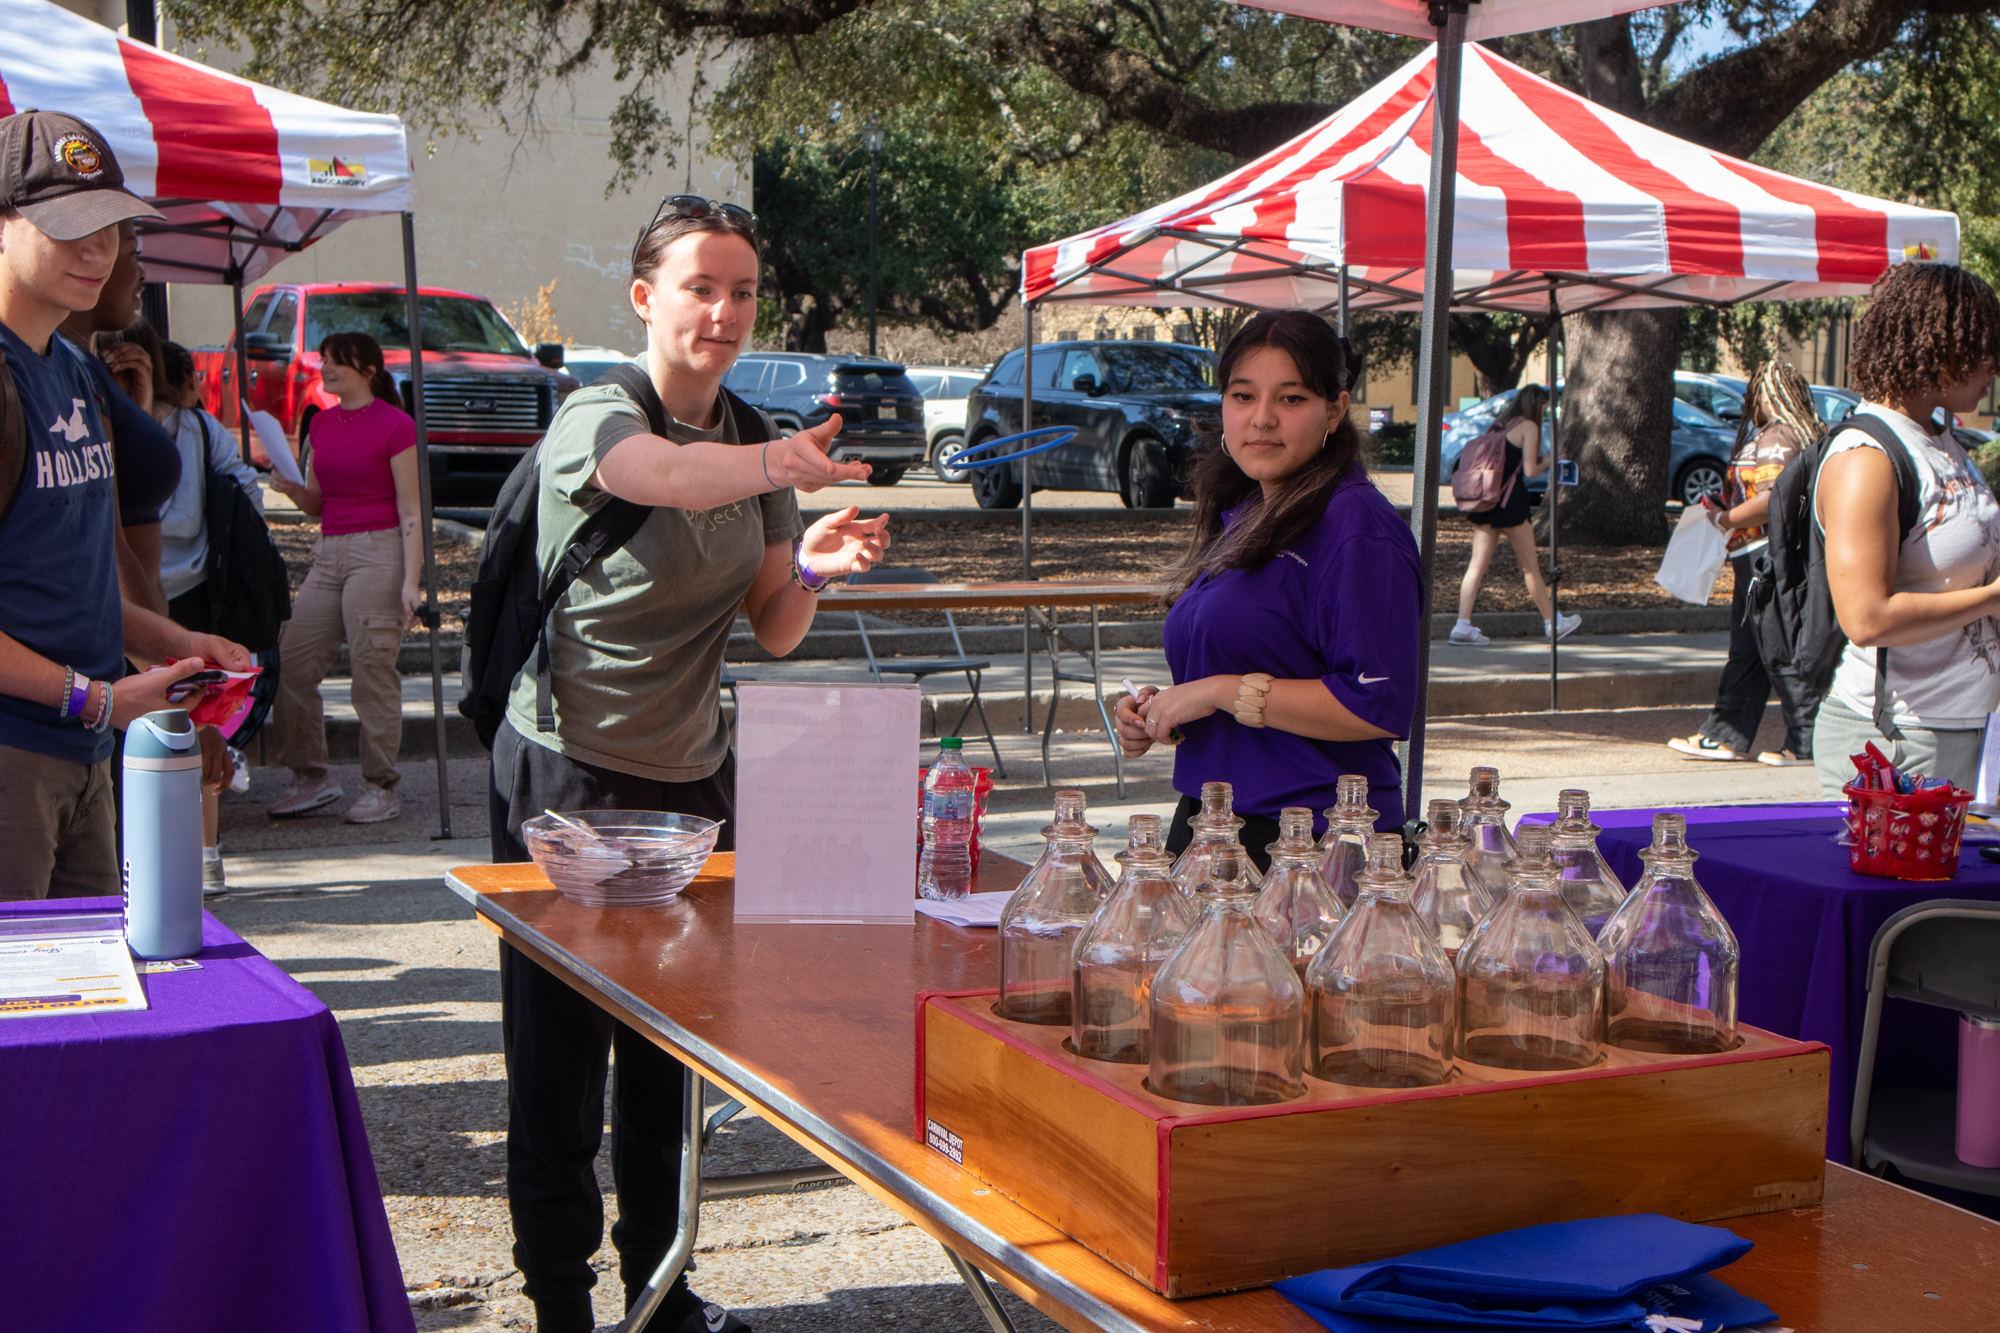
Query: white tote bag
{"type": "Point", "coordinates": [1694, 557]}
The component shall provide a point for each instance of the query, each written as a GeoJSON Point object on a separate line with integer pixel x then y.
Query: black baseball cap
{"type": "Point", "coordinates": [60, 174]}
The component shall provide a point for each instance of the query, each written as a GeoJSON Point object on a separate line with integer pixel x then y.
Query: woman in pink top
{"type": "Point", "coordinates": [361, 483]}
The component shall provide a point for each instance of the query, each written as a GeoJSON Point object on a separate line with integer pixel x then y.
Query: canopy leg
{"type": "Point", "coordinates": [430, 611]}
{"type": "Point", "coordinates": [1552, 492]}
{"type": "Point", "coordinates": [1433, 365]}
{"type": "Point", "coordinates": [1027, 516]}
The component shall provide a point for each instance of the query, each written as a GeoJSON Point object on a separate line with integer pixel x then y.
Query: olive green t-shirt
{"type": "Point", "coordinates": [636, 644]}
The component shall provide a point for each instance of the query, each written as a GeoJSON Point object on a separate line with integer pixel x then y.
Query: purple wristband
{"type": "Point", "coordinates": [79, 697]}
{"type": "Point", "coordinates": [808, 580]}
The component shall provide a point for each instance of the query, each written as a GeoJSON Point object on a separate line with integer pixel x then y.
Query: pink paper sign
{"type": "Point", "coordinates": [826, 799]}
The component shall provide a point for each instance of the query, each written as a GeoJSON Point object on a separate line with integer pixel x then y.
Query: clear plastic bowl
{"type": "Point", "coordinates": [631, 858]}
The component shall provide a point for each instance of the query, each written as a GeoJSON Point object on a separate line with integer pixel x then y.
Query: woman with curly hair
{"type": "Point", "coordinates": [1778, 420]}
{"type": "Point", "coordinates": [1297, 609]}
{"type": "Point", "coordinates": [1927, 348]}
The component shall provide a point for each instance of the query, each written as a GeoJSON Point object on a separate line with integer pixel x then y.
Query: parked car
{"type": "Point", "coordinates": [486, 399]}
{"type": "Point", "coordinates": [588, 364]}
{"type": "Point", "coordinates": [944, 389]}
{"type": "Point", "coordinates": [1697, 461]}
{"type": "Point", "coordinates": [1136, 406]}
{"type": "Point", "coordinates": [881, 412]}
{"type": "Point", "coordinates": [1721, 396]}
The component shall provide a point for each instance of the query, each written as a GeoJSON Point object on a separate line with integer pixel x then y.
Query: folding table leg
{"type": "Point", "coordinates": [676, 1258]}
{"type": "Point", "coordinates": [1052, 634]}
{"type": "Point", "coordinates": [1097, 692]}
{"type": "Point", "coordinates": [982, 1294]}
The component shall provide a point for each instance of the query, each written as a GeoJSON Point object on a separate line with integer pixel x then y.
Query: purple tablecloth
{"type": "Point", "coordinates": [200, 1166]}
{"type": "Point", "coordinates": [1806, 922]}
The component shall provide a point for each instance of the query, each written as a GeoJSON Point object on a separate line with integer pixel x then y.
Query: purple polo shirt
{"type": "Point", "coordinates": [1344, 604]}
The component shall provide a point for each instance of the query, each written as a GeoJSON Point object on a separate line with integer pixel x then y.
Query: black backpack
{"type": "Point", "coordinates": [1788, 601]}
{"type": "Point", "coordinates": [13, 441]}
{"type": "Point", "coordinates": [249, 592]}
{"type": "Point", "coordinates": [508, 620]}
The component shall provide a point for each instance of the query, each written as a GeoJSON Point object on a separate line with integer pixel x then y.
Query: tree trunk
{"type": "Point", "coordinates": [1617, 422]}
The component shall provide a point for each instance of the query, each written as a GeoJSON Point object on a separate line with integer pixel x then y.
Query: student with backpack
{"type": "Point", "coordinates": [65, 631]}
{"type": "Point", "coordinates": [656, 508]}
{"type": "Point", "coordinates": [1489, 485]}
{"type": "Point", "coordinates": [1778, 421]}
{"type": "Point", "coordinates": [1912, 579]}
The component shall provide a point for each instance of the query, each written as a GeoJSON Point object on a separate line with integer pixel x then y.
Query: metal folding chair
{"type": "Point", "coordinates": [917, 670]}
{"type": "Point", "coordinates": [1944, 952]}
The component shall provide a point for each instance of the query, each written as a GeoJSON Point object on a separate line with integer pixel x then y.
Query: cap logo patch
{"type": "Point", "coordinates": [79, 155]}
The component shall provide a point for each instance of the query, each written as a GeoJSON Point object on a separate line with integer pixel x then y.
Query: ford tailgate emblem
{"type": "Point", "coordinates": [477, 405]}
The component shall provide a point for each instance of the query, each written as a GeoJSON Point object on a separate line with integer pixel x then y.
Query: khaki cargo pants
{"type": "Point", "coordinates": [354, 593]}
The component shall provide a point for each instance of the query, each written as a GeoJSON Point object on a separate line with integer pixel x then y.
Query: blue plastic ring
{"type": "Point", "coordinates": [1063, 435]}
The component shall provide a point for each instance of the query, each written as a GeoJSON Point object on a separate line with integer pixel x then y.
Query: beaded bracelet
{"type": "Point", "coordinates": [802, 576]}
{"type": "Point", "coordinates": [1251, 694]}
{"type": "Point", "coordinates": [103, 718]}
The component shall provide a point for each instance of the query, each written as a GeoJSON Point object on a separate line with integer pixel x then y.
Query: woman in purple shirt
{"type": "Point", "coordinates": [1296, 611]}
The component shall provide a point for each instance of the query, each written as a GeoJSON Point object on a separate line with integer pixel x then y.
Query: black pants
{"type": "Point", "coordinates": [557, 1044]}
{"type": "Point", "coordinates": [1257, 833]}
{"type": "Point", "coordinates": [1746, 686]}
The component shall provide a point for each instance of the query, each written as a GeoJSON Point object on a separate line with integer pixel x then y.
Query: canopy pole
{"type": "Point", "coordinates": [1341, 324]}
{"type": "Point", "coordinates": [1553, 491]}
{"type": "Point", "coordinates": [242, 391]}
{"type": "Point", "coordinates": [429, 614]}
{"type": "Point", "coordinates": [1433, 364]}
{"type": "Point", "coordinates": [1027, 509]}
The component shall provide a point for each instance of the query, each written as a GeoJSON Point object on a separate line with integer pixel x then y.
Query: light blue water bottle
{"type": "Point", "coordinates": [162, 827]}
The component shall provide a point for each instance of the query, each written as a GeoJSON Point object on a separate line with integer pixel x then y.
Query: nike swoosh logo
{"type": "Point", "coordinates": [1370, 680]}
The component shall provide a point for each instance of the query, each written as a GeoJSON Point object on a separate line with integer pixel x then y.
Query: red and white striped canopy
{"type": "Point", "coordinates": [1554, 194]}
{"type": "Point", "coordinates": [245, 173]}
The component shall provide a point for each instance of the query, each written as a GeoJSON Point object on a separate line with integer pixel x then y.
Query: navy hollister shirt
{"type": "Point", "coordinates": [1342, 605]}
{"type": "Point", "coordinates": [58, 558]}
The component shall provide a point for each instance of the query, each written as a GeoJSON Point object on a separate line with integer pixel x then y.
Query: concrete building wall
{"type": "Point", "coordinates": [501, 213]}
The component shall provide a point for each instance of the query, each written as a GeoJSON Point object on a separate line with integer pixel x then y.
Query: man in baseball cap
{"type": "Point", "coordinates": [60, 174]}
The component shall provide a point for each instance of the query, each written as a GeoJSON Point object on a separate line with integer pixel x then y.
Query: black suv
{"type": "Point", "coordinates": [1136, 406]}
{"type": "Point", "coordinates": [882, 414]}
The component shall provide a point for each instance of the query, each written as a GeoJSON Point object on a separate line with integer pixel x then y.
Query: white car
{"type": "Point", "coordinates": [945, 389]}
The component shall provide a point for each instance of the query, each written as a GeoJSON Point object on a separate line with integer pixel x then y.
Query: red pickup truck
{"type": "Point", "coordinates": [486, 398]}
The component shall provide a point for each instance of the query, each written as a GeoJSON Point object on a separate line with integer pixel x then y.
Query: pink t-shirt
{"type": "Point", "coordinates": [350, 457]}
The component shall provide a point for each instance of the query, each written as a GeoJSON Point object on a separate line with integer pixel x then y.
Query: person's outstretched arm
{"type": "Point", "coordinates": [648, 470]}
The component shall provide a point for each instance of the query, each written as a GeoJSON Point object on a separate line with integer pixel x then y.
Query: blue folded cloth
{"type": "Point", "coordinates": [1641, 1270]}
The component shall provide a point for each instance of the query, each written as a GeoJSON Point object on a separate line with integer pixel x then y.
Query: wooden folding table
{"type": "Point", "coordinates": [813, 1027]}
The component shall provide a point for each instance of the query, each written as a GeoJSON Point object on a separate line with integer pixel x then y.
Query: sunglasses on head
{"type": "Point", "coordinates": [694, 206]}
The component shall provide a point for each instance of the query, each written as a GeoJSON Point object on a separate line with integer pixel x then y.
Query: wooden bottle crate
{"type": "Point", "coordinates": [1193, 1200]}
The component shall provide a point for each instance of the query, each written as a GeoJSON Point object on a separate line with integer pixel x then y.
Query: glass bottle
{"type": "Point", "coordinates": [1041, 922]}
{"type": "Point", "coordinates": [1531, 981]}
{"type": "Point", "coordinates": [1447, 893]}
{"type": "Point", "coordinates": [1144, 919]}
{"type": "Point", "coordinates": [1588, 883]}
{"type": "Point", "coordinates": [1485, 827]}
{"type": "Point", "coordinates": [1296, 905]}
{"type": "Point", "coordinates": [1215, 825]}
{"type": "Point", "coordinates": [1350, 823]}
{"type": "Point", "coordinates": [1383, 997]}
{"type": "Point", "coordinates": [1671, 961]}
{"type": "Point", "coordinates": [1228, 1010]}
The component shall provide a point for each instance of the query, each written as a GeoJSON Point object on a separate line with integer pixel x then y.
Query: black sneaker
{"type": "Point", "coordinates": [712, 1318]}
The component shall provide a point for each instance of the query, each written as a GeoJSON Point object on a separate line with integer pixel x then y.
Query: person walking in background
{"type": "Point", "coordinates": [1921, 669]}
{"type": "Point", "coordinates": [206, 447]}
{"type": "Point", "coordinates": [1778, 420]}
{"type": "Point", "coordinates": [1520, 424]}
{"type": "Point", "coordinates": [361, 483]}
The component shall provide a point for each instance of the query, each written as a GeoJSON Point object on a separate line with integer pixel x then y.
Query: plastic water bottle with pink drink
{"type": "Point", "coordinates": [944, 870]}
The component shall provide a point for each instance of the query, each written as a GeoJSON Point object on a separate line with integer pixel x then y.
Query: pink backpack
{"type": "Point", "coordinates": [1480, 482]}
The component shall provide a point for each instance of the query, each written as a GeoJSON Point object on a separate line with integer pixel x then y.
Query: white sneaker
{"type": "Point", "coordinates": [1565, 626]}
{"type": "Point", "coordinates": [1701, 747]}
{"type": "Point", "coordinates": [1469, 634]}
{"type": "Point", "coordinates": [376, 806]}
{"type": "Point", "coordinates": [303, 796]}
{"type": "Point", "coordinates": [1781, 759]}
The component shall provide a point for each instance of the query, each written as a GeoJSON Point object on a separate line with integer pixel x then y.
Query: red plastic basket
{"type": "Point", "coordinates": [1899, 835]}
{"type": "Point", "coordinates": [982, 785]}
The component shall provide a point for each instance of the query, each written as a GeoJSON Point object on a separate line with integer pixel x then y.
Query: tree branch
{"type": "Point", "coordinates": [1090, 60]}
